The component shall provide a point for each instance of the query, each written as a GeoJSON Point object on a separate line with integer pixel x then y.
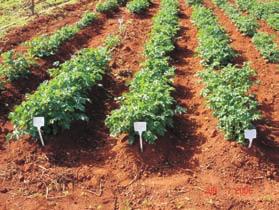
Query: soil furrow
{"type": "Point", "coordinates": [87, 150]}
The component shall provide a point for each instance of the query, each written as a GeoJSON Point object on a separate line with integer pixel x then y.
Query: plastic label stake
{"type": "Point", "coordinates": [140, 127]}
{"type": "Point", "coordinates": [39, 122]}
{"type": "Point", "coordinates": [250, 135]}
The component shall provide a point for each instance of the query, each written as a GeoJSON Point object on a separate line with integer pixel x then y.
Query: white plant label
{"type": "Point", "coordinates": [250, 135]}
{"type": "Point", "coordinates": [140, 127]}
{"type": "Point", "coordinates": [39, 122]}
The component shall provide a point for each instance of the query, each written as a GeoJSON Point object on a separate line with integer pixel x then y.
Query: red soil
{"type": "Point", "coordinates": [191, 167]}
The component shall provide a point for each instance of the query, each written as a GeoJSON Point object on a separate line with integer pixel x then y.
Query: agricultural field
{"type": "Point", "coordinates": [19, 12]}
{"type": "Point", "coordinates": [201, 74]}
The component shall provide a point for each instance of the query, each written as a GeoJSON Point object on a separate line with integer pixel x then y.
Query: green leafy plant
{"type": "Point", "coordinates": [227, 95]}
{"type": "Point", "coordinates": [47, 45]}
{"type": "Point", "coordinates": [107, 6]}
{"type": "Point", "coordinates": [214, 46]}
{"type": "Point", "coordinates": [138, 6]}
{"type": "Point", "coordinates": [246, 24]}
{"type": "Point", "coordinates": [226, 89]}
{"type": "Point", "coordinates": [267, 46]}
{"type": "Point", "coordinates": [194, 2]}
{"type": "Point", "coordinates": [112, 41]}
{"type": "Point", "coordinates": [122, 2]}
{"type": "Point", "coordinates": [14, 66]}
{"type": "Point", "coordinates": [245, 5]}
{"type": "Point", "coordinates": [62, 100]}
{"type": "Point", "coordinates": [273, 21]}
{"type": "Point", "coordinates": [86, 19]}
{"type": "Point", "coordinates": [149, 98]}
{"type": "Point", "coordinates": [44, 46]}
{"type": "Point", "coordinates": [262, 10]}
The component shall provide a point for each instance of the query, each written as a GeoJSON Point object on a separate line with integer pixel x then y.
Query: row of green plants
{"type": "Point", "coordinates": [264, 42]}
{"type": "Point", "coordinates": [246, 24]}
{"type": "Point", "coordinates": [62, 99]}
{"type": "Point", "coordinates": [226, 91]}
{"type": "Point", "coordinates": [194, 2]}
{"type": "Point", "coordinates": [107, 6]}
{"type": "Point", "coordinates": [138, 6]}
{"type": "Point", "coordinates": [214, 44]}
{"type": "Point", "coordinates": [14, 66]}
{"type": "Point", "coordinates": [226, 88]}
{"type": "Point", "coordinates": [149, 97]}
{"type": "Point", "coordinates": [17, 65]}
{"type": "Point", "coordinates": [47, 45]}
{"type": "Point", "coordinates": [268, 11]}
{"type": "Point", "coordinates": [267, 46]}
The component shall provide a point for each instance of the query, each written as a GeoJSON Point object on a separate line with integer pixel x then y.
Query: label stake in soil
{"type": "Point", "coordinates": [250, 135]}
{"type": "Point", "coordinates": [140, 127]}
{"type": "Point", "coordinates": [39, 122]}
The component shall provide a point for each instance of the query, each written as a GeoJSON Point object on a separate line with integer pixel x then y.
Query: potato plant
{"type": "Point", "coordinates": [14, 66]}
{"type": "Point", "coordinates": [268, 11]}
{"type": "Point", "coordinates": [48, 45]}
{"type": "Point", "coordinates": [107, 6]}
{"type": "Point", "coordinates": [214, 46]}
{"type": "Point", "coordinates": [194, 2]}
{"type": "Point", "coordinates": [138, 6]}
{"type": "Point", "coordinates": [267, 46]}
{"type": "Point", "coordinates": [86, 19]}
{"type": "Point", "coordinates": [273, 21]}
{"type": "Point", "coordinates": [246, 24]}
{"type": "Point", "coordinates": [226, 89]}
{"type": "Point", "coordinates": [149, 98]}
{"type": "Point", "coordinates": [227, 95]}
{"type": "Point", "coordinates": [62, 100]}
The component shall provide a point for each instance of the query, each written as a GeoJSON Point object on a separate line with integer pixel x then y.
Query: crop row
{"type": "Point", "coordinates": [226, 89]}
{"type": "Point", "coordinates": [214, 46]}
{"type": "Point", "coordinates": [109, 6]}
{"type": "Point", "coordinates": [17, 65]}
{"type": "Point", "coordinates": [14, 66]}
{"type": "Point", "coordinates": [267, 46]}
{"type": "Point", "coordinates": [268, 11]}
{"type": "Point", "coordinates": [149, 98]}
{"type": "Point", "coordinates": [138, 6]}
{"type": "Point", "coordinates": [134, 6]}
{"type": "Point", "coordinates": [47, 45]}
{"type": "Point", "coordinates": [248, 25]}
{"type": "Point", "coordinates": [62, 99]}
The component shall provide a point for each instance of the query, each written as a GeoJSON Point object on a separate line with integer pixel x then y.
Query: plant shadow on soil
{"type": "Point", "coordinates": [87, 143]}
{"type": "Point", "coordinates": [90, 144]}
{"type": "Point", "coordinates": [266, 146]}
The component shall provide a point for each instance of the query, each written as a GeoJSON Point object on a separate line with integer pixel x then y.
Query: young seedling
{"type": "Point", "coordinates": [39, 122]}
{"type": "Point", "coordinates": [140, 127]}
{"type": "Point", "coordinates": [250, 135]}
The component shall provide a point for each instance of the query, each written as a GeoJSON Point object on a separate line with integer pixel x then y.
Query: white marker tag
{"type": "Point", "coordinates": [250, 135]}
{"type": "Point", "coordinates": [39, 122]}
{"type": "Point", "coordinates": [140, 127]}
